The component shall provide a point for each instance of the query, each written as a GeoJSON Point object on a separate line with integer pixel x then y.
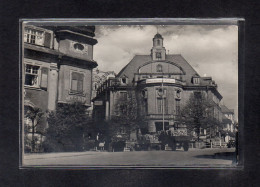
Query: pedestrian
{"type": "Point", "coordinates": [102, 145]}
{"type": "Point", "coordinates": [96, 142]}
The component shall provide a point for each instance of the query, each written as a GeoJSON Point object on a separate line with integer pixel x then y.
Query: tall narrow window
{"type": "Point", "coordinates": [159, 68]}
{"type": "Point", "coordinates": [158, 42]}
{"type": "Point", "coordinates": [158, 55]}
{"type": "Point", "coordinates": [31, 75]}
{"type": "Point", "coordinates": [197, 97]}
{"type": "Point", "coordinates": [123, 96]}
{"type": "Point", "coordinates": [178, 107]}
{"type": "Point", "coordinates": [77, 82]}
{"type": "Point", "coordinates": [161, 106]}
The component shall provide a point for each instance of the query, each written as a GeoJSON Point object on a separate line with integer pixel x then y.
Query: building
{"type": "Point", "coordinates": [58, 63]}
{"type": "Point", "coordinates": [162, 84]}
{"type": "Point", "coordinates": [228, 122]}
{"type": "Point", "coordinates": [98, 78]}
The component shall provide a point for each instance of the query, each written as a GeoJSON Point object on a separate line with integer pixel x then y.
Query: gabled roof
{"type": "Point", "coordinates": [225, 110]}
{"type": "Point", "coordinates": [132, 67]}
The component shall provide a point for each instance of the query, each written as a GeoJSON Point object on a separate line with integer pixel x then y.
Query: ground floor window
{"type": "Point", "coordinates": [31, 75]}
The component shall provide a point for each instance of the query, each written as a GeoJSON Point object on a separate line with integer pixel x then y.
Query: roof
{"type": "Point", "coordinates": [224, 109]}
{"type": "Point", "coordinates": [132, 67]}
{"type": "Point", "coordinates": [158, 36]}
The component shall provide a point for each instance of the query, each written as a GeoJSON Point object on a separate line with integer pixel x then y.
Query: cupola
{"type": "Point", "coordinates": [158, 52]}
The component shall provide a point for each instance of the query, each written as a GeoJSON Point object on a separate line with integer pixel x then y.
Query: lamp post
{"type": "Point", "coordinates": [163, 102]}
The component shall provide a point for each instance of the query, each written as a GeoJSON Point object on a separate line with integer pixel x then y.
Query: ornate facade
{"type": "Point", "coordinates": [162, 83]}
{"type": "Point", "coordinates": [57, 64]}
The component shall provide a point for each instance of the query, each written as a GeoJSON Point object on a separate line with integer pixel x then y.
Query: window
{"type": "Point", "coordinates": [124, 80]}
{"type": "Point", "coordinates": [32, 75]}
{"type": "Point", "coordinates": [34, 36]}
{"type": "Point", "coordinates": [123, 109]}
{"type": "Point", "coordinates": [144, 94]}
{"type": "Point", "coordinates": [123, 96]}
{"type": "Point", "coordinates": [196, 80]}
{"type": "Point", "coordinates": [37, 37]}
{"type": "Point", "coordinates": [159, 68]}
{"type": "Point", "coordinates": [161, 101]}
{"type": "Point", "coordinates": [158, 42]}
{"type": "Point", "coordinates": [197, 95]}
{"type": "Point", "coordinates": [161, 105]}
{"type": "Point", "coordinates": [158, 55]}
{"type": "Point", "coordinates": [178, 94]}
{"type": "Point", "coordinates": [78, 47]}
{"type": "Point", "coordinates": [77, 82]}
{"type": "Point", "coordinates": [178, 108]}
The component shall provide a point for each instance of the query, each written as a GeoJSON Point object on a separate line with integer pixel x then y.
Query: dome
{"type": "Point", "coordinates": [158, 36]}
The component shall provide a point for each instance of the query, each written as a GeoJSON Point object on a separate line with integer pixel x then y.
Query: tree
{"type": "Point", "coordinates": [198, 114]}
{"type": "Point", "coordinates": [35, 125]}
{"type": "Point", "coordinates": [128, 119]}
{"type": "Point", "coordinates": [67, 127]}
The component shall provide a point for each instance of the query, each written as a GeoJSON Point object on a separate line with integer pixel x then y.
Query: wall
{"type": "Point", "coordinates": [37, 97]}
{"type": "Point", "coordinates": [64, 95]}
{"type": "Point", "coordinates": [166, 68]}
{"type": "Point", "coordinates": [40, 97]}
{"type": "Point", "coordinates": [66, 47]}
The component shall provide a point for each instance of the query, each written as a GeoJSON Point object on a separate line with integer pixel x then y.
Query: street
{"type": "Point", "coordinates": [215, 157]}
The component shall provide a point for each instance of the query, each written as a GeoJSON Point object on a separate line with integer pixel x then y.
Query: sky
{"type": "Point", "coordinates": [212, 50]}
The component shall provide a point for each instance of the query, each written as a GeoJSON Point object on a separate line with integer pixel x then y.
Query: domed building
{"type": "Point", "coordinates": [162, 83]}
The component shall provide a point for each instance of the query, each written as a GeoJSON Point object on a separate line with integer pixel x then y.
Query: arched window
{"type": "Point", "coordinates": [158, 55]}
{"type": "Point", "coordinates": [159, 68]}
{"type": "Point", "coordinates": [158, 42]}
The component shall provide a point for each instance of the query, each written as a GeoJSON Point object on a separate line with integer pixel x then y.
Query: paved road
{"type": "Point", "coordinates": [194, 157]}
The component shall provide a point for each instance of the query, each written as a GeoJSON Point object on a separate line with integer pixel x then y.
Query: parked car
{"type": "Point", "coordinates": [231, 143]}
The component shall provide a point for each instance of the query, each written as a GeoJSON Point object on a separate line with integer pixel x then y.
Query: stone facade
{"type": "Point", "coordinates": [57, 65]}
{"type": "Point", "coordinates": [58, 68]}
{"type": "Point", "coordinates": [162, 84]}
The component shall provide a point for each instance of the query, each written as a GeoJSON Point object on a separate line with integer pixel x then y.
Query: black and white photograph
{"type": "Point", "coordinates": [161, 95]}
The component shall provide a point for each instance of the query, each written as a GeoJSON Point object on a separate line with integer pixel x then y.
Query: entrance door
{"type": "Point", "coordinates": [159, 126]}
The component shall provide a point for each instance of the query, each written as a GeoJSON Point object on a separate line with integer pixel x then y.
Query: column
{"type": "Point", "coordinates": [52, 86]}
{"type": "Point", "coordinates": [107, 110]}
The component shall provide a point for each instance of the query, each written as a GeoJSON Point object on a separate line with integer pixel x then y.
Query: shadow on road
{"type": "Point", "coordinates": [57, 156]}
{"type": "Point", "coordinates": [223, 155]}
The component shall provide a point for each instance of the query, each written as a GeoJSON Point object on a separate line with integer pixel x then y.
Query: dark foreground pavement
{"type": "Point", "coordinates": [193, 158]}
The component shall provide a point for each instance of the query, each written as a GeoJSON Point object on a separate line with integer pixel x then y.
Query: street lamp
{"type": "Point", "coordinates": [162, 96]}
